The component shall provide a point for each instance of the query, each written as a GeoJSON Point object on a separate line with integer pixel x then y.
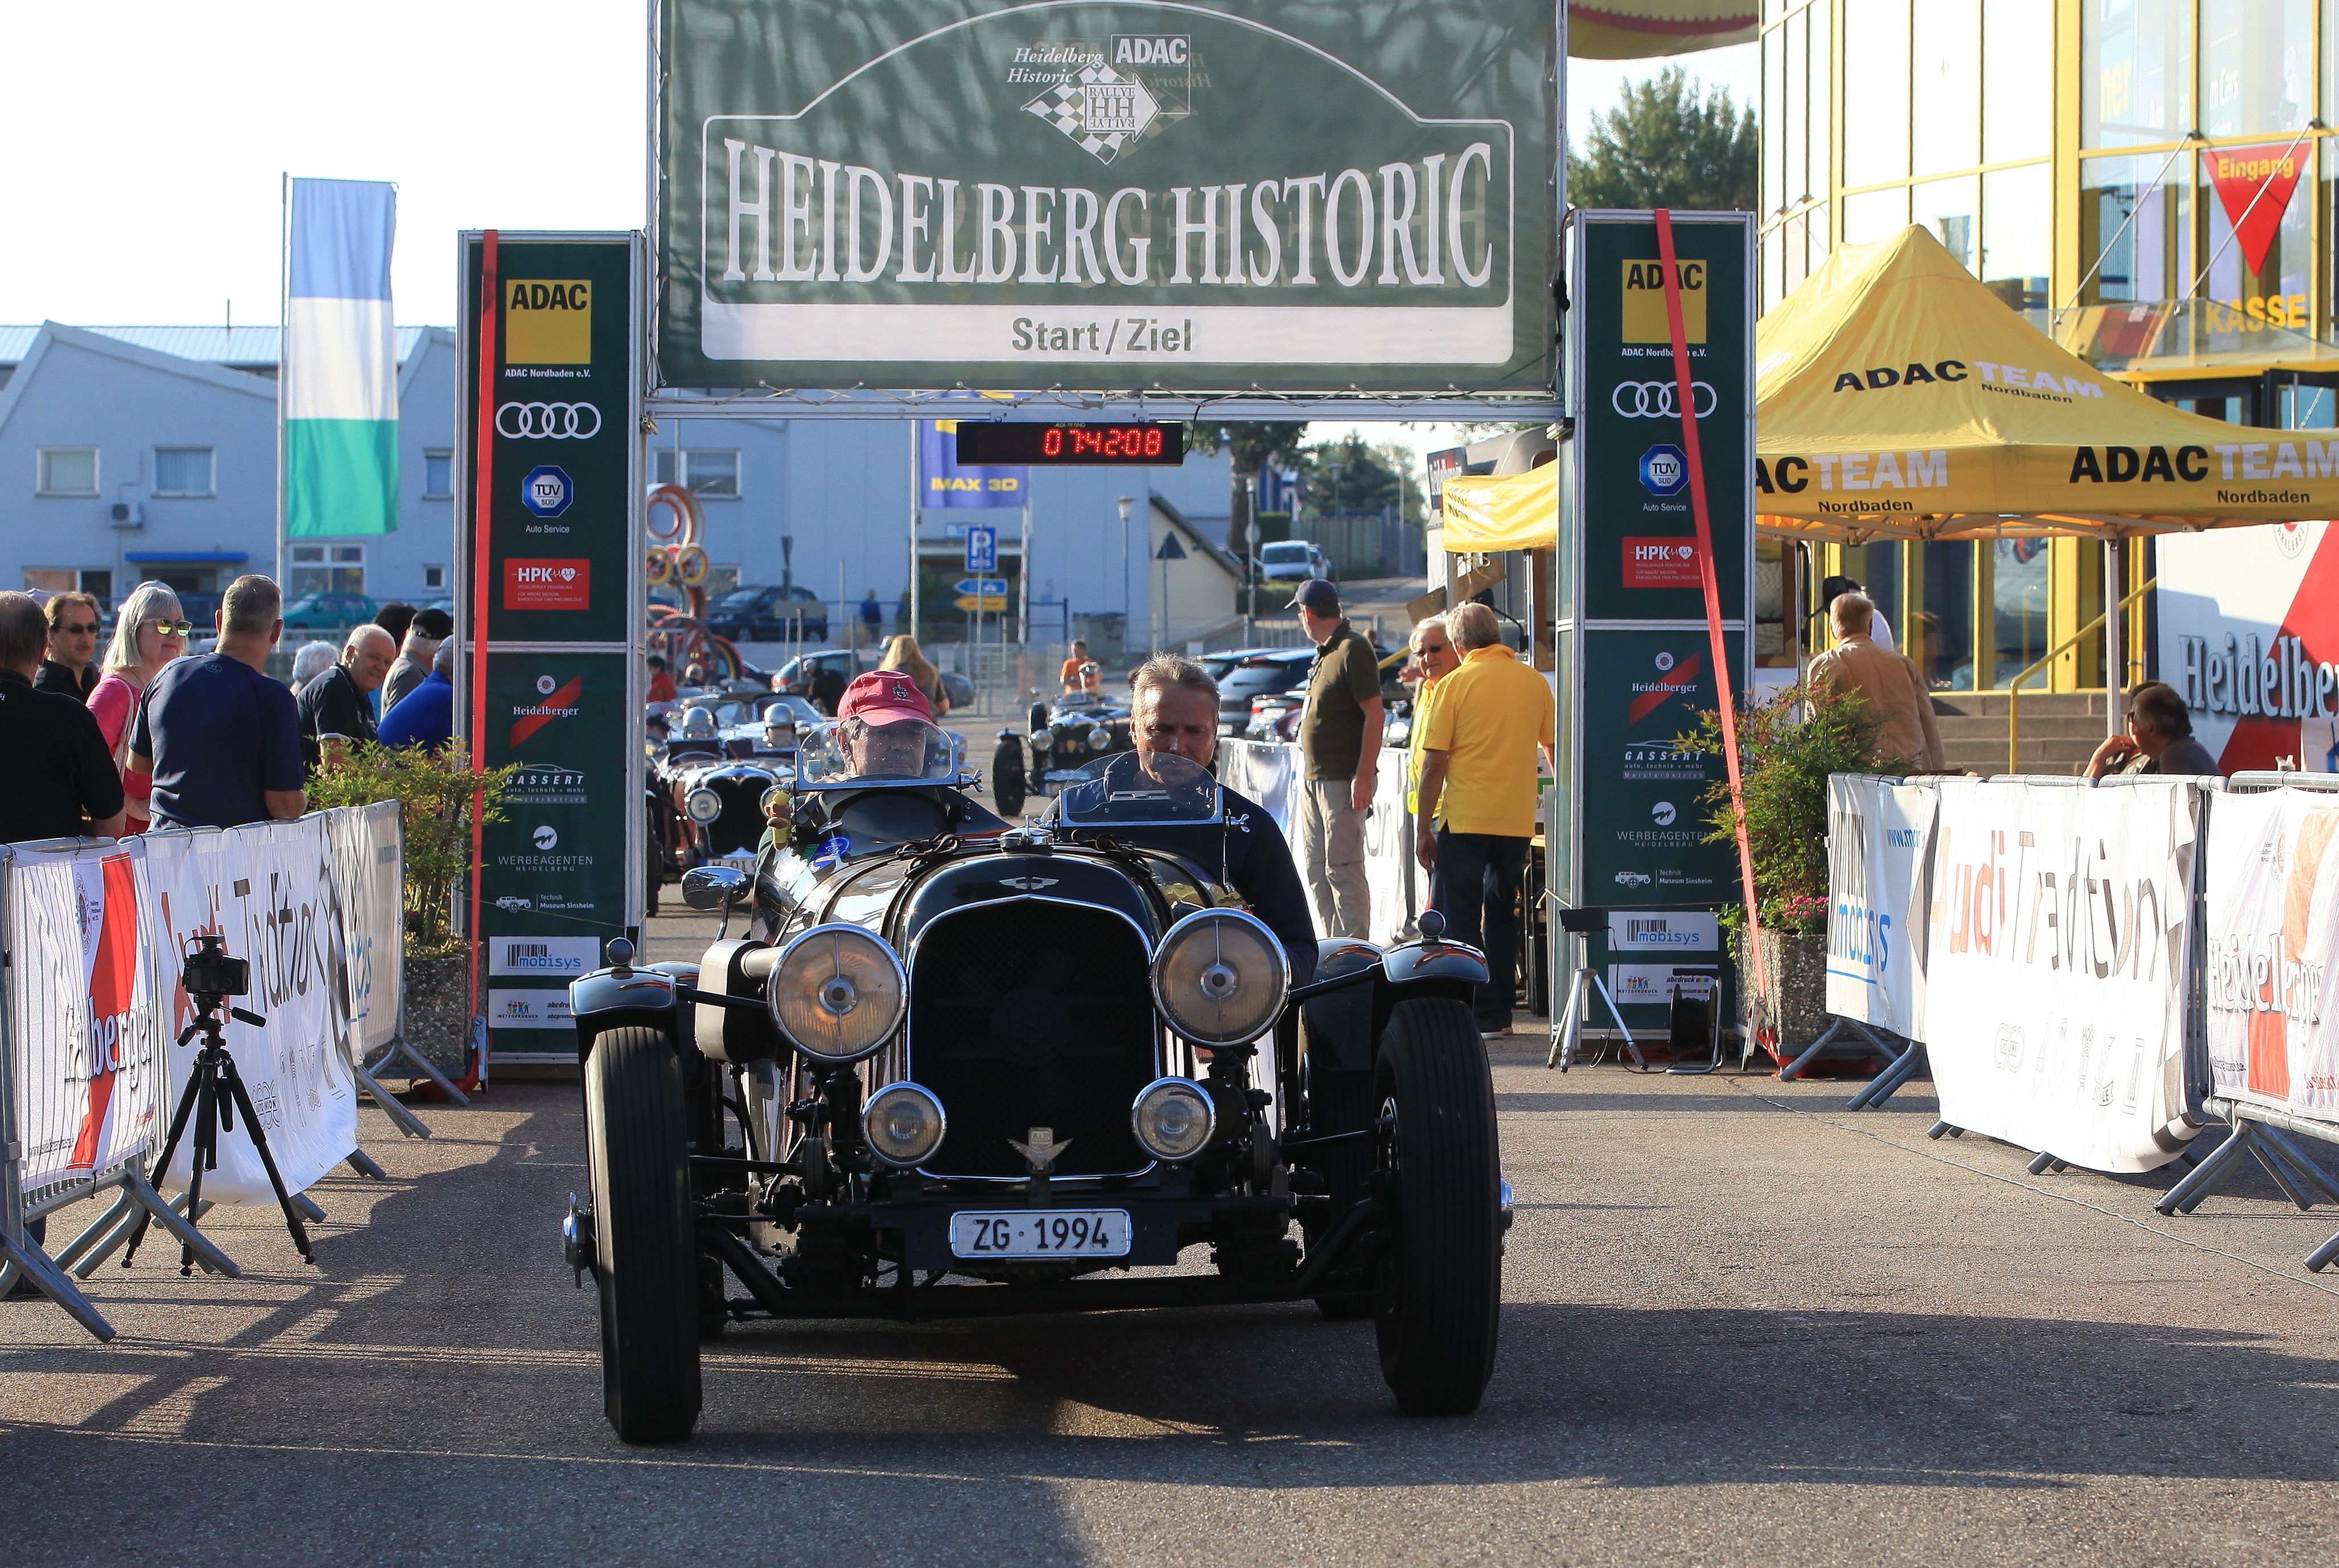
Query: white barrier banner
{"type": "Point", "coordinates": [2273, 930]}
{"type": "Point", "coordinates": [2056, 965]}
{"type": "Point", "coordinates": [1267, 771]}
{"type": "Point", "coordinates": [1393, 877]}
{"type": "Point", "coordinates": [1879, 844]}
{"type": "Point", "coordinates": [269, 889]}
{"type": "Point", "coordinates": [369, 872]}
{"type": "Point", "coordinates": [83, 1019]}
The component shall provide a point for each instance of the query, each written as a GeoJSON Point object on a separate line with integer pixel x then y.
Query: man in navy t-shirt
{"type": "Point", "coordinates": [220, 738]}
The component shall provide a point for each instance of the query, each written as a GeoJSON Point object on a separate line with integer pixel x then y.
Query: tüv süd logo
{"type": "Point", "coordinates": [1664, 469]}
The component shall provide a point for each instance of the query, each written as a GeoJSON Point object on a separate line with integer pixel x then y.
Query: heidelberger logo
{"type": "Point", "coordinates": [560, 703]}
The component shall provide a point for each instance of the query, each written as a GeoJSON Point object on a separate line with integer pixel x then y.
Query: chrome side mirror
{"type": "Point", "coordinates": [713, 886]}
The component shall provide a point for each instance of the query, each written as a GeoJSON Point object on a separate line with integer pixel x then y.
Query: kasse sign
{"type": "Point", "coordinates": [914, 193]}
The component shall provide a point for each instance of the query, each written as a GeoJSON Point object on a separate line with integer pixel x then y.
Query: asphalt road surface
{"type": "Point", "coordinates": [1742, 1326]}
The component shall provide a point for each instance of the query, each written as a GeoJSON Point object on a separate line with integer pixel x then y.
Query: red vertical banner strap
{"type": "Point", "coordinates": [483, 488]}
{"type": "Point", "coordinates": [1684, 394]}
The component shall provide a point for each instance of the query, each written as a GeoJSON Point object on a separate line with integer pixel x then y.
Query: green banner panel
{"type": "Point", "coordinates": [553, 887]}
{"type": "Point", "coordinates": [1639, 799]}
{"type": "Point", "coordinates": [1280, 194]}
{"type": "Point", "coordinates": [560, 502]}
{"type": "Point", "coordinates": [1639, 535]}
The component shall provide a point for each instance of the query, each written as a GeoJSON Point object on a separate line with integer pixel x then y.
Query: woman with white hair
{"type": "Point", "coordinates": [312, 660]}
{"type": "Point", "coordinates": [151, 631]}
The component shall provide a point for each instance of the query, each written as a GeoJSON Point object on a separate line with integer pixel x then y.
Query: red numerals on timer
{"type": "Point", "coordinates": [1087, 441]}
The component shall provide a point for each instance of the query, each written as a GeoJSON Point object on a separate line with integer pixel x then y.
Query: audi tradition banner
{"type": "Point", "coordinates": [2055, 958]}
{"type": "Point", "coordinates": [2248, 627]}
{"type": "Point", "coordinates": [1880, 847]}
{"type": "Point", "coordinates": [2272, 933]}
{"type": "Point", "coordinates": [1106, 193]}
{"type": "Point", "coordinates": [95, 938]}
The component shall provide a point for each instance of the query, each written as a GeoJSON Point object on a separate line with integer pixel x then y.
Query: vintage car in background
{"type": "Point", "coordinates": [1066, 737]}
{"type": "Point", "coordinates": [708, 775]}
{"type": "Point", "coordinates": [952, 1068]}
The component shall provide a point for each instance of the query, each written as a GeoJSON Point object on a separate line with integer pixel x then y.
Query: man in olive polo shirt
{"type": "Point", "coordinates": [1492, 719]}
{"type": "Point", "coordinates": [1340, 742]}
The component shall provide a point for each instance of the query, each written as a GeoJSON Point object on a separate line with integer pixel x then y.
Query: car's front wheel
{"type": "Point", "coordinates": [646, 1261]}
{"type": "Point", "coordinates": [1438, 1294]}
{"type": "Point", "coordinates": [1009, 783]}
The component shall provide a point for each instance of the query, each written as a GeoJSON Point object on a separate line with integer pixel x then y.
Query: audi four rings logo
{"type": "Point", "coordinates": [554, 422]}
{"type": "Point", "coordinates": [1655, 399]}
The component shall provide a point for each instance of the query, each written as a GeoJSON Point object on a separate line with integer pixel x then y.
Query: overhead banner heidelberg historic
{"type": "Point", "coordinates": [1288, 195]}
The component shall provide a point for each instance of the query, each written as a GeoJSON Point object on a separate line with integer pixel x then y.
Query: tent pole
{"type": "Point", "coordinates": [2114, 644]}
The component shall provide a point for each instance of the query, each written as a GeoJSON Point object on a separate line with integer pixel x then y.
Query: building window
{"type": "Point", "coordinates": [2135, 72]}
{"type": "Point", "coordinates": [437, 476]}
{"type": "Point", "coordinates": [2257, 65]}
{"type": "Point", "coordinates": [328, 569]}
{"type": "Point", "coordinates": [1875, 58]}
{"type": "Point", "coordinates": [68, 470]}
{"type": "Point", "coordinates": [434, 579]}
{"type": "Point", "coordinates": [712, 472]}
{"type": "Point", "coordinates": [2149, 258]}
{"type": "Point", "coordinates": [182, 470]}
{"type": "Point", "coordinates": [2018, 83]}
{"type": "Point", "coordinates": [2018, 230]}
{"type": "Point", "coordinates": [1946, 113]}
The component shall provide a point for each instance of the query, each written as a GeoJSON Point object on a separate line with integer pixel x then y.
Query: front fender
{"type": "Point", "coordinates": [619, 997]}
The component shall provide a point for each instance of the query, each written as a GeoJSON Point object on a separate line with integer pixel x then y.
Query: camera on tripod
{"type": "Point", "coordinates": [210, 971]}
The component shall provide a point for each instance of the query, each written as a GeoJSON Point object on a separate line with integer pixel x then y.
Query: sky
{"type": "Point", "coordinates": [154, 167]}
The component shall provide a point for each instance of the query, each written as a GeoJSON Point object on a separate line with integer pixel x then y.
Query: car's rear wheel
{"type": "Point", "coordinates": [646, 1261]}
{"type": "Point", "coordinates": [1440, 1271]}
{"type": "Point", "coordinates": [1009, 783]}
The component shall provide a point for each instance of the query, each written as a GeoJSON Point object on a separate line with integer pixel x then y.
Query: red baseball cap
{"type": "Point", "coordinates": [885, 697]}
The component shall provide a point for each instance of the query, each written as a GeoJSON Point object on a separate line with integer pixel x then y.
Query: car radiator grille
{"type": "Point", "coordinates": [740, 825]}
{"type": "Point", "coordinates": [1027, 1013]}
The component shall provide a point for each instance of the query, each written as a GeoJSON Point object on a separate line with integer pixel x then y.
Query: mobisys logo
{"type": "Point", "coordinates": [1037, 186]}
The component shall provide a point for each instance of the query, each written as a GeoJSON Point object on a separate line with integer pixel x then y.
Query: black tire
{"type": "Point", "coordinates": [1008, 783]}
{"type": "Point", "coordinates": [1439, 1288]}
{"type": "Point", "coordinates": [645, 1260]}
{"type": "Point", "coordinates": [1340, 1102]}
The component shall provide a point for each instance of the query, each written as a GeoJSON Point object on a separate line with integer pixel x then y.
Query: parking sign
{"type": "Point", "coordinates": [982, 548]}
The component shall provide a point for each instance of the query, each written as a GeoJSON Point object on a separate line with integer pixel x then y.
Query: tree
{"type": "Point", "coordinates": [1670, 144]}
{"type": "Point", "coordinates": [1347, 475]}
{"type": "Point", "coordinates": [1253, 446]}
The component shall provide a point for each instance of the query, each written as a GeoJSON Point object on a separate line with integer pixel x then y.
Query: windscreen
{"type": "Point", "coordinates": [1134, 789]}
{"type": "Point", "coordinates": [1284, 552]}
{"type": "Point", "coordinates": [852, 753]}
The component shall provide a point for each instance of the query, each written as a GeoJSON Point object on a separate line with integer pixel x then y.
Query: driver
{"type": "Point", "coordinates": [1176, 712]}
{"type": "Point", "coordinates": [884, 723]}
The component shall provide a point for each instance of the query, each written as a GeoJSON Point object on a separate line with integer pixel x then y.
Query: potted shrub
{"type": "Point", "coordinates": [1786, 748]}
{"type": "Point", "coordinates": [434, 794]}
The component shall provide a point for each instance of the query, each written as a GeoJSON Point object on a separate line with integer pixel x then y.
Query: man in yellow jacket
{"type": "Point", "coordinates": [1491, 719]}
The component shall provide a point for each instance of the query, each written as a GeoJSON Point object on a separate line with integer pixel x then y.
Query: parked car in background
{"type": "Point", "coordinates": [327, 612]}
{"type": "Point", "coordinates": [769, 614]}
{"type": "Point", "coordinates": [796, 676]}
{"type": "Point", "coordinates": [1261, 674]}
{"type": "Point", "coordinates": [1293, 561]}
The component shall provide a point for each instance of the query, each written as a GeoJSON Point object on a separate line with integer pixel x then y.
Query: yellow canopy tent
{"type": "Point", "coordinates": [1898, 398]}
{"type": "Point", "coordinates": [1486, 513]}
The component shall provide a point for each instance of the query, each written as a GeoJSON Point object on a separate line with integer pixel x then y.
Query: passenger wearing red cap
{"type": "Point", "coordinates": [884, 723]}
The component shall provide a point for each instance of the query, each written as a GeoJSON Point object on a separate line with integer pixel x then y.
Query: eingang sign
{"type": "Point", "coordinates": [1106, 195]}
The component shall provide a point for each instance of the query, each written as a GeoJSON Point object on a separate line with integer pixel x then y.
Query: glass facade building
{"type": "Point", "coordinates": [2071, 153]}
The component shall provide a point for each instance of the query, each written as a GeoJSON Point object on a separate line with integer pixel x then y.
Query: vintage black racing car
{"type": "Point", "coordinates": [958, 1069]}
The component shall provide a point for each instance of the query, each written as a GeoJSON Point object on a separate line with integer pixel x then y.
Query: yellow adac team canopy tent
{"type": "Point", "coordinates": [1897, 398]}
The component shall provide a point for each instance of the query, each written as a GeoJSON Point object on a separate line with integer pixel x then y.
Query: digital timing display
{"type": "Point", "coordinates": [1138, 446]}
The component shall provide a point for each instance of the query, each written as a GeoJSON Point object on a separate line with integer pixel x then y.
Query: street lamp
{"type": "Point", "coordinates": [1124, 503]}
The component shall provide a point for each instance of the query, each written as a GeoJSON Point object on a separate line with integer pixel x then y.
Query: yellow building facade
{"type": "Point", "coordinates": [2094, 162]}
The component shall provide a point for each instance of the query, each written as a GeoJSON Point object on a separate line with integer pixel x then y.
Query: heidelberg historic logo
{"type": "Point", "coordinates": [1109, 99]}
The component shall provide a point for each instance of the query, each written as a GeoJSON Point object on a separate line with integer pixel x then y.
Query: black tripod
{"type": "Point", "coordinates": [215, 1094]}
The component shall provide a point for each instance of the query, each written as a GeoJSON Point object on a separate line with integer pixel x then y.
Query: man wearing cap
{"type": "Point", "coordinates": [424, 633]}
{"type": "Point", "coordinates": [1340, 742]}
{"type": "Point", "coordinates": [884, 723]}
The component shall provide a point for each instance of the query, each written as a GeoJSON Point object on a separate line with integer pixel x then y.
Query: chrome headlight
{"type": "Point", "coordinates": [903, 1124]}
{"type": "Point", "coordinates": [1042, 740]}
{"type": "Point", "coordinates": [837, 992]}
{"type": "Point", "coordinates": [1220, 977]}
{"type": "Point", "coordinates": [1173, 1118]}
{"type": "Point", "coordinates": [1099, 738]}
{"type": "Point", "coordinates": [703, 805]}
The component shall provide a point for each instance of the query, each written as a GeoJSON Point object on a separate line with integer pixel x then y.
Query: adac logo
{"type": "Point", "coordinates": [1645, 318]}
{"type": "Point", "coordinates": [548, 322]}
{"type": "Point", "coordinates": [1109, 99]}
